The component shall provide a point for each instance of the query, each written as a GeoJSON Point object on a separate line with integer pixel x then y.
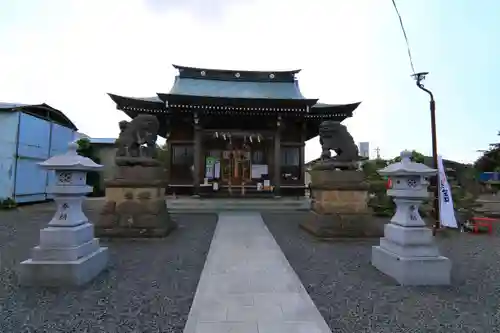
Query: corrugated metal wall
{"type": "Point", "coordinates": [8, 144]}
{"type": "Point", "coordinates": [33, 139]}
{"type": "Point", "coordinates": [30, 140]}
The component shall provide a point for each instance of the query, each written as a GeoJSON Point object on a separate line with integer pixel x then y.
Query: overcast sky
{"type": "Point", "coordinates": [70, 53]}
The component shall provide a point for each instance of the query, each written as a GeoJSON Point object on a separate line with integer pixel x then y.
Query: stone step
{"type": "Point", "coordinates": [217, 205]}
{"type": "Point", "coordinates": [206, 205]}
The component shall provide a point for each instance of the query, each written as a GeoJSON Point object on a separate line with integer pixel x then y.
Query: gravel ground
{"type": "Point", "coordinates": [353, 296]}
{"type": "Point", "coordinates": [149, 286]}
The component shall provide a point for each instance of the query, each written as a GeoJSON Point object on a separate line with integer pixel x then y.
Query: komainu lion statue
{"type": "Point", "coordinates": [334, 136]}
{"type": "Point", "coordinates": [138, 137]}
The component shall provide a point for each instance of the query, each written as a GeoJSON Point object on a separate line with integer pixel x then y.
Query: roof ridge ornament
{"type": "Point", "coordinates": [405, 156]}
{"type": "Point", "coordinates": [72, 148]}
{"type": "Point", "coordinates": [182, 68]}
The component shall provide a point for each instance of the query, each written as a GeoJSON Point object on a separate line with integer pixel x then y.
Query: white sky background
{"type": "Point", "coordinates": [69, 54]}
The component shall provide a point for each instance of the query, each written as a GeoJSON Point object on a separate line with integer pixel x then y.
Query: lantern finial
{"type": "Point", "coordinates": [406, 156]}
{"type": "Point", "coordinates": [72, 148]}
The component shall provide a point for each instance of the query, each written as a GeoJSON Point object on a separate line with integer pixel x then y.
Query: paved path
{"type": "Point", "coordinates": [248, 286]}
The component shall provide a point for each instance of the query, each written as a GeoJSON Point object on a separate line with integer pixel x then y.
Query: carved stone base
{"type": "Point", "coordinates": [332, 164]}
{"type": "Point", "coordinates": [332, 201]}
{"type": "Point", "coordinates": [135, 175]}
{"type": "Point", "coordinates": [66, 256]}
{"type": "Point", "coordinates": [134, 212]}
{"type": "Point", "coordinates": [338, 179]}
{"type": "Point", "coordinates": [328, 226]}
{"type": "Point", "coordinates": [413, 271]}
{"type": "Point", "coordinates": [340, 206]}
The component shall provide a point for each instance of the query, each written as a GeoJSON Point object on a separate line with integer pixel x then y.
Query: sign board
{"type": "Point", "coordinates": [210, 167]}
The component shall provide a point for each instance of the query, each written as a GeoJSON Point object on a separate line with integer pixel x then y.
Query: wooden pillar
{"type": "Point", "coordinates": [168, 161]}
{"type": "Point", "coordinates": [277, 158]}
{"type": "Point", "coordinates": [197, 157]}
{"type": "Point", "coordinates": [303, 153]}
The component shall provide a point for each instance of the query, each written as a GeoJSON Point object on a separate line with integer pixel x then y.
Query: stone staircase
{"type": "Point", "coordinates": [210, 205]}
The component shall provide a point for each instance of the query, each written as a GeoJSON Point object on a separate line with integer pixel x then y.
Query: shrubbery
{"type": "Point", "coordinates": [7, 203]}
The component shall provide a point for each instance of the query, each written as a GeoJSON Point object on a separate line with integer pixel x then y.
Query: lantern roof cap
{"type": "Point", "coordinates": [71, 160]}
{"type": "Point", "coordinates": [406, 167]}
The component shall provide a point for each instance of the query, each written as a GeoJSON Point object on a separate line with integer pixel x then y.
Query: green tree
{"type": "Point", "coordinates": [371, 167]}
{"type": "Point", "coordinates": [490, 160]}
{"type": "Point", "coordinates": [381, 204]}
{"type": "Point", "coordinates": [162, 154]}
{"type": "Point", "coordinates": [415, 157]}
{"type": "Point", "coordinates": [84, 148]}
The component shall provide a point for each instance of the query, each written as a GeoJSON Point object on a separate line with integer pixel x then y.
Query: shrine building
{"type": "Point", "coordinates": [235, 133]}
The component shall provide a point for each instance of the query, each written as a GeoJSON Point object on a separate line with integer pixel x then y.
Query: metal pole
{"type": "Point", "coordinates": [420, 77]}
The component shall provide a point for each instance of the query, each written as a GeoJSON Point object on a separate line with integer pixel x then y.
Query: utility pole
{"type": "Point", "coordinates": [419, 77]}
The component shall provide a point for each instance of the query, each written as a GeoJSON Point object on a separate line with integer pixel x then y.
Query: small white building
{"type": "Point", "coordinates": [364, 149]}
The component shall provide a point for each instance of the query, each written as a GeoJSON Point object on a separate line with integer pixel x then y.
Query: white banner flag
{"type": "Point", "coordinates": [446, 210]}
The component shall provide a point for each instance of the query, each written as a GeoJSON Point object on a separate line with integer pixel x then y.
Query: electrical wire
{"type": "Point", "coordinates": [404, 34]}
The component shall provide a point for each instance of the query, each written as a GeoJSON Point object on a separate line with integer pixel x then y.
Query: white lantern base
{"type": "Point", "coordinates": [412, 271]}
{"type": "Point", "coordinates": [66, 256]}
{"type": "Point", "coordinates": [63, 273]}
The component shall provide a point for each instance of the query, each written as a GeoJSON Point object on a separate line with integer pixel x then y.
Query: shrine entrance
{"type": "Point", "coordinates": [236, 164]}
{"type": "Point", "coordinates": [236, 167]}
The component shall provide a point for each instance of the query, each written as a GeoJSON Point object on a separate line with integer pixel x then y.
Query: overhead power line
{"type": "Point", "coordinates": [404, 34]}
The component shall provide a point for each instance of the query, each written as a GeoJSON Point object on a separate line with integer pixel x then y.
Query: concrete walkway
{"type": "Point", "coordinates": [248, 286]}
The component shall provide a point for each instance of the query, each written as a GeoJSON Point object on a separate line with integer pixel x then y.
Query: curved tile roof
{"type": "Point", "coordinates": [235, 75]}
{"type": "Point", "coordinates": [225, 83]}
{"type": "Point", "coordinates": [236, 89]}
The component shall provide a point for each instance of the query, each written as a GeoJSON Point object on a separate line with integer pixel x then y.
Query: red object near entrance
{"type": "Point", "coordinates": [482, 222]}
{"type": "Point", "coordinates": [389, 183]}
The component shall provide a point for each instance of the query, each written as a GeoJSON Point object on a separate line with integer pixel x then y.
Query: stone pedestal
{"type": "Point", "coordinates": [135, 204]}
{"type": "Point", "coordinates": [340, 206]}
{"type": "Point", "coordinates": [68, 253]}
{"type": "Point", "coordinates": [66, 256]}
{"type": "Point", "coordinates": [407, 251]}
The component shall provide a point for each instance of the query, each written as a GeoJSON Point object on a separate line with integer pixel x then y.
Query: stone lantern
{"type": "Point", "coordinates": [407, 251]}
{"type": "Point", "coordinates": [68, 253]}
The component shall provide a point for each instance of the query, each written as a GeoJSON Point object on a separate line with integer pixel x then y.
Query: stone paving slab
{"type": "Point", "coordinates": [247, 284]}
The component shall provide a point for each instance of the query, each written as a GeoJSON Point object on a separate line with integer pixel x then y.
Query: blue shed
{"type": "Point", "coordinates": [30, 134]}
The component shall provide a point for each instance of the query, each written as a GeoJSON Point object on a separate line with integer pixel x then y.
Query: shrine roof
{"type": "Point", "coordinates": [147, 101]}
{"type": "Point", "coordinates": [156, 104]}
{"type": "Point", "coordinates": [233, 91]}
{"type": "Point", "coordinates": [236, 84]}
{"type": "Point", "coordinates": [154, 99]}
{"type": "Point", "coordinates": [323, 108]}
{"type": "Point", "coordinates": [236, 75]}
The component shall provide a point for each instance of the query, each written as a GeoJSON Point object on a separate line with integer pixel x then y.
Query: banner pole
{"type": "Point", "coordinates": [419, 77]}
